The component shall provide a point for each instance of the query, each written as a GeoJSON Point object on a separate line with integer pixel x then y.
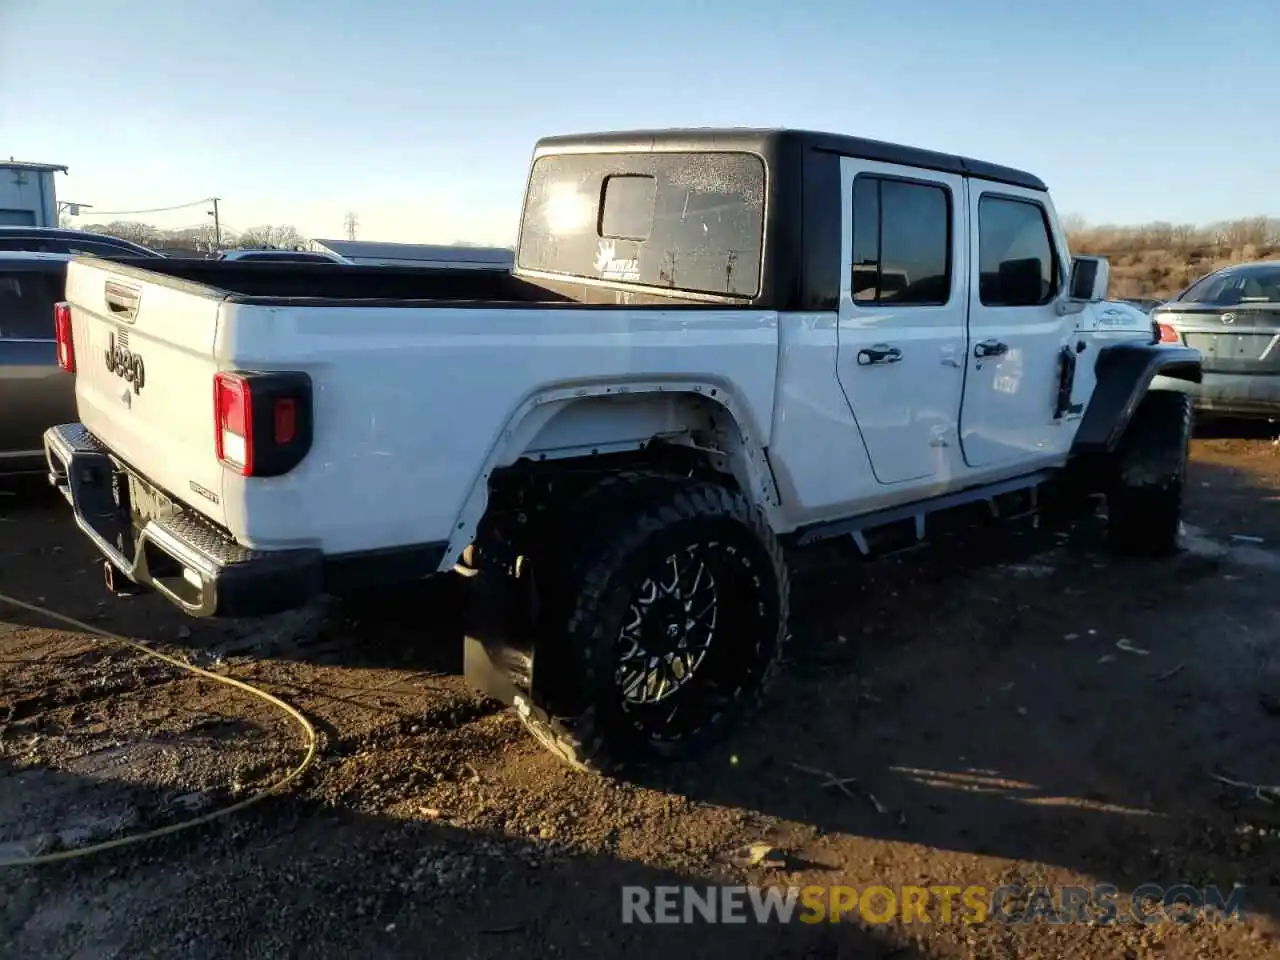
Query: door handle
{"type": "Point", "coordinates": [990, 348]}
{"type": "Point", "coordinates": [880, 353]}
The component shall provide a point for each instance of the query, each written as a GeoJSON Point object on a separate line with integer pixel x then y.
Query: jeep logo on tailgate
{"type": "Point", "coordinates": [128, 366]}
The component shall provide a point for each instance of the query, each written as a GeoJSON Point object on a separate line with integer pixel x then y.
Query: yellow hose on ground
{"type": "Point", "coordinates": [309, 736]}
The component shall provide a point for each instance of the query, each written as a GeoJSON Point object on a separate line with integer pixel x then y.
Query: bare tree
{"type": "Point", "coordinates": [143, 233]}
{"type": "Point", "coordinates": [200, 239]}
{"type": "Point", "coordinates": [272, 236]}
{"type": "Point", "coordinates": [1073, 223]}
{"type": "Point", "coordinates": [1160, 259]}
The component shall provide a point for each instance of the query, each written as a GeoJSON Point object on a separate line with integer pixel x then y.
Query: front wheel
{"type": "Point", "coordinates": [1144, 504]}
{"type": "Point", "coordinates": [676, 611]}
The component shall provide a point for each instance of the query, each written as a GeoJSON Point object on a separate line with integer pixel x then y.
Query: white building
{"type": "Point", "coordinates": [419, 254]}
{"type": "Point", "coordinates": [28, 197]}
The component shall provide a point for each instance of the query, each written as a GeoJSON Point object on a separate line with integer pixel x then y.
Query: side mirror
{"type": "Point", "coordinates": [1090, 278]}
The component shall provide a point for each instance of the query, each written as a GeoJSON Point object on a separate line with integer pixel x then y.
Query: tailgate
{"type": "Point", "coordinates": [144, 345]}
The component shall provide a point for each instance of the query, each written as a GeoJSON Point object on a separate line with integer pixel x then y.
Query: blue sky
{"type": "Point", "coordinates": [420, 117]}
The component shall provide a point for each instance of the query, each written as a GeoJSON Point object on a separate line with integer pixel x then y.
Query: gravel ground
{"type": "Point", "coordinates": [1021, 709]}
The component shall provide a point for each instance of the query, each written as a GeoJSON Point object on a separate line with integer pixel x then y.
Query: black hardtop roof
{"type": "Point", "coordinates": [769, 141]}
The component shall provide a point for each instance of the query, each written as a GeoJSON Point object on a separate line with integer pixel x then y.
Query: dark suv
{"type": "Point", "coordinates": [34, 393]}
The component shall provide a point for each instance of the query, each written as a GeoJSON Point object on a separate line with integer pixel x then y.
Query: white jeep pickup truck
{"type": "Point", "coordinates": [714, 345]}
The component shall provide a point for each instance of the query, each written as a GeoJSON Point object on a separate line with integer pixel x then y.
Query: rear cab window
{"type": "Point", "coordinates": [687, 222]}
{"type": "Point", "coordinates": [26, 305]}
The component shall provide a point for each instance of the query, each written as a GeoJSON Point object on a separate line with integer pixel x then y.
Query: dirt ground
{"type": "Point", "coordinates": [1023, 709]}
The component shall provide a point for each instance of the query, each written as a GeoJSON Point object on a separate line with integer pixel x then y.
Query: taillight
{"type": "Point", "coordinates": [1168, 334]}
{"type": "Point", "coordinates": [233, 437]}
{"type": "Point", "coordinates": [262, 421]}
{"type": "Point", "coordinates": [62, 336]}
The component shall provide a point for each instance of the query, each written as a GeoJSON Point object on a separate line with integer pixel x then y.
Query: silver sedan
{"type": "Point", "coordinates": [1232, 316]}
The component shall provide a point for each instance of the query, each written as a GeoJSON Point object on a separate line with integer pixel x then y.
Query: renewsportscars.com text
{"type": "Point", "coordinates": [1147, 904]}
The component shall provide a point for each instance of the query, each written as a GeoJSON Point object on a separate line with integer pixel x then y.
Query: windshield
{"type": "Point", "coordinates": [1254, 284]}
{"type": "Point", "coordinates": [683, 221]}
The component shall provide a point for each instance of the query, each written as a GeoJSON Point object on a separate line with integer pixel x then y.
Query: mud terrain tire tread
{"type": "Point", "coordinates": [1144, 504]}
{"type": "Point", "coordinates": [627, 510]}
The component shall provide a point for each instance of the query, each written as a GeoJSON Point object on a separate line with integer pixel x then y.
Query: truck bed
{"type": "Point", "coordinates": [282, 283]}
{"type": "Point", "coordinates": [415, 373]}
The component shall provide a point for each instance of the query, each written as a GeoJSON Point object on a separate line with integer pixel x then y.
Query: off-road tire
{"type": "Point", "coordinates": [629, 521]}
{"type": "Point", "coordinates": [1144, 502]}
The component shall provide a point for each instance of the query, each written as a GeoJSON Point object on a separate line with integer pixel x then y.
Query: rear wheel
{"type": "Point", "coordinates": [1144, 504]}
{"type": "Point", "coordinates": [673, 607]}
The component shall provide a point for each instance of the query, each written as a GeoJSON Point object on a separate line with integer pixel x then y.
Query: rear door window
{"type": "Point", "coordinates": [26, 305]}
{"type": "Point", "coordinates": [682, 221]}
{"type": "Point", "coordinates": [901, 242]}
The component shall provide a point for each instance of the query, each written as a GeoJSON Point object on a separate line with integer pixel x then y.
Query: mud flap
{"type": "Point", "coordinates": [498, 641]}
{"type": "Point", "coordinates": [499, 650]}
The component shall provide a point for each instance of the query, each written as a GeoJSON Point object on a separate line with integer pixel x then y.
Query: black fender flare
{"type": "Point", "coordinates": [1125, 372]}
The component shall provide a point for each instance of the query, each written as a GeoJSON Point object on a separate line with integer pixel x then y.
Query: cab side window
{"type": "Point", "coordinates": [901, 242]}
{"type": "Point", "coordinates": [1017, 263]}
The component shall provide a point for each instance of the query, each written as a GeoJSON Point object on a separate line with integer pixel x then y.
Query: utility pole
{"type": "Point", "coordinates": [217, 225]}
{"type": "Point", "coordinates": [351, 222]}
